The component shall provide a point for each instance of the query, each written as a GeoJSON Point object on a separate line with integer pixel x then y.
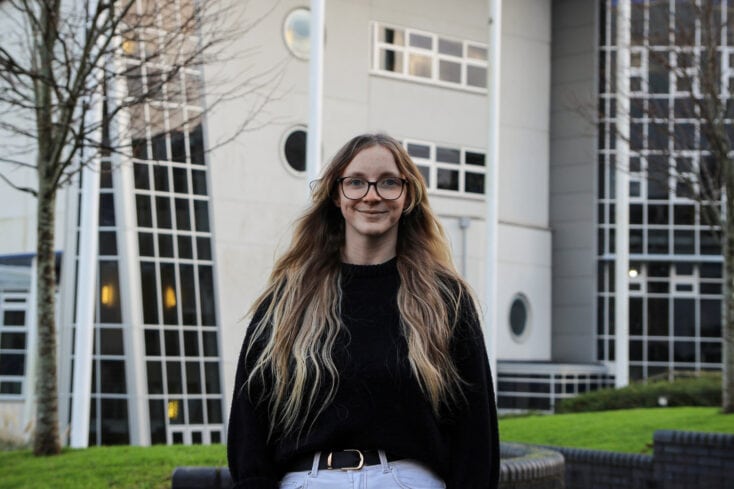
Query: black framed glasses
{"type": "Point", "coordinates": [388, 188]}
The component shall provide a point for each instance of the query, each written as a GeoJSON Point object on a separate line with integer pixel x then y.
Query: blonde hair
{"type": "Point", "coordinates": [299, 317]}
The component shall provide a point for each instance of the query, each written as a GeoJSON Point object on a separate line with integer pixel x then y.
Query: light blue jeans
{"type": "Point", "coordinates": [400, 474]}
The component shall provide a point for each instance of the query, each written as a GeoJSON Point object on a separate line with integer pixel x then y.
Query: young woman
{"type": "Point", "coordinates": [364, 364]}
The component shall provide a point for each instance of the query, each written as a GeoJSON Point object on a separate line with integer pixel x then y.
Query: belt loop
{"type": "Point", "coordinates": [383, 461]}
{"type": "Point", "coordinates": [315, 466]}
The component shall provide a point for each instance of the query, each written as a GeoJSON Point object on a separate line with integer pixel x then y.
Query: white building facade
{"type": "Point", "coordinates": [187, 237]}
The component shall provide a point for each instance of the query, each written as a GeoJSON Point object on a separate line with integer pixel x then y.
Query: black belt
{"type": "Point", "coordinates": [348, 459]}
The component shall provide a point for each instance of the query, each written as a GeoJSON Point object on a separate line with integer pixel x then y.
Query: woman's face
{"type": "Point", "coordinates": [371, 219]}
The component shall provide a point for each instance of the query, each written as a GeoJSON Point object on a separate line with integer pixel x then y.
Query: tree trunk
{"type": "Point", "coordinates": [46, 440]}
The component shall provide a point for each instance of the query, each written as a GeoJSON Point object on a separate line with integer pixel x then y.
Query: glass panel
{"type": "Point", "coordinates": [176, 413]}
{"type": "Point", "coordinates": [449, 71]}
{"type": "Point", "coordinates": [420, 65]}
{"type": "Point", "coordinates": [156, 408]}
{"type": "Point", "coordinates": [419, 150]}
{"type": "Point", "coordinates": [14, 318]}
{"type": "Point", "coordinates": [196, 142]}
{"type": "Point", "coordinates": [684, 351]}
{"type": "Point", "coordinates": [106, 210]}
{"type": "Point", "coordinates": [110, 340]}
{"type": "Point", "coordinates": [193, 378]}
{"type": "Point", "coordinates": [155, 377]}
{"type": "Point", "coordinates": [214, 410]}
{"type": "Point", "coordinates": [160, 177]}
{"type": "Point", "coordinates": [201, 213]}
{"type": "Point", "coordinates": [448, 155]}
{"type": "Point", "coordinates": [635, 315]}
{"type": "Point", "coordinates": [476, 76]}
{"type": "Point", "coordinates": [114, 423]}
{"type": "Point", "coordinates": [211, 378]}
{"type": "Point", "coordinates": [188, 300]}
{"type": "Point", "coordinates": [183, 219]}
{"type": "Point", "coordinates": [152, 342]}
{"type": "Point", "coordinates": [657, 241]}
{"type": "Point", "coordinates": [204, 248]}
{"type": "Point", "coordinates": [149, 291]}
{"type": "Point", "coordinates": [391, 60]}
{"type": "Point", "coordinates": [476, 52]}
{"type": "Point", "coordinates": [173, 373]}
{"type": "Point", "coordinates": [144, 212]}
{"type": "Point", "coordinates": [392, 36]}
{"type": "Point", "coordinates": [447, 179]}
{"type": "Point", "coordinates": [191, 343]}
{"type": "Point", "coordinates": [172, 344]}
{"type": "Point", "coordinates": [684, 242]}
{"type": "Point", "coordinates": [472, 158]}
{"type": "Point", "coordinates": [711, 314]}
{"type": "Point", "coordinates": [421, 41]}
{"type": "Point", "coordinates": [684, 317]}
{"type": "Point", "coordinates": [453, 48]}
{"type": "Point", "coordinates": [196, 411]}
{"type": "Point", "coordinates": [657, 351]}
{"type": "Point", "coordinates": [165, 245]}
{"type": "Point", "coordinates": [184, 246]}
{"type": "Point", "coordinates": [474, 183]}
{"type": "Point", "coordinates": [180, 180]}
{"type": "Point", "coordinates": [711, 352]}
{"type": "Point", "coordinates": [109, 293]}
{"type": "Point", "coordinates": [12, 341]}
{"type": "Point", "coordinates": [169, 297]}
{"type": "Point", "coordinates": [426, 174]}
{"type": "Point", "coordinates": [657, 317]}
{"type": "Point", "coordinates": [206, 296]}
{"type": "Point", "coordinates": [107, 243]}
{"type": "Point", "coordinates": [210, 343]}
{"type": "Point", "coordinates": [112, 376]}
{"type": "Point", "coordinates": [163, 212]}
{"type": "Point", "coordinates": [198, 177]}
{"type": "Point", "coordinates": [12, 364]}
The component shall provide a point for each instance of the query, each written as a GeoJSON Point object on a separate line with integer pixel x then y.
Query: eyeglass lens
{"type": "Point", "coordinates": [387, 188]}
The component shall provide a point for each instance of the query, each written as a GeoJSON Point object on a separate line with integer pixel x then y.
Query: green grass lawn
{"type": "Point", "coordinates": [151, 467]}
{"type": "Point", "coordinates": [620, 431]}
{"type": "Point", "coordinates": [101, 467]}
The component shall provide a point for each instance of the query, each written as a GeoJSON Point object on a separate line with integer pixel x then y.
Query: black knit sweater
{"type": "Point", "coordinates": [379, 404]}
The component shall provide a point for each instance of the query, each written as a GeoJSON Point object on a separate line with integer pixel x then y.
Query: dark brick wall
{"type": "Point", "coordinates": [587, 469]}
{"type": "Point", "coordinates": [680, 460]}
{"type": "Point", "coordinates": [686, 459]}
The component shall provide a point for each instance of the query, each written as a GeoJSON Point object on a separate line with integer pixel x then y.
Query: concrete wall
{"type": "Point", "coordinates": [524, 235]}
{"type": "Point", "coordinates": [573, 179]}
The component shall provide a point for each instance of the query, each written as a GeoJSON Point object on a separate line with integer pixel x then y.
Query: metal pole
{"type": "Point", "coordinates": [86, 283]}
{"type": "Point", "coordinates": [491, 181]}
{"type": "Point", "coordinates": [315, 93]}
{"type": "Point", "coordinates": [621, 243]}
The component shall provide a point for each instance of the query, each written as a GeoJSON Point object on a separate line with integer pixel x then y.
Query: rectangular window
{"type": "Point", "coordinates": [429, 57]}
{"type": "Point", "coordinates": [448, 169]}
{"type": "Point", "coordinates": [13, 343]}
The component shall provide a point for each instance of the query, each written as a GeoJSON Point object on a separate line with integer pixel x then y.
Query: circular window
{"type": "Point", "coordinates": [297, 32]}
{"type": "Point", "coordinates": [294, 149]}
{"type": "Point", "coordinates": [519, 313]}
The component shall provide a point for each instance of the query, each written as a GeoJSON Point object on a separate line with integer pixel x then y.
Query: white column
{"type": "Point", "coordinates": [491, 185]}
{"type": "Point", "coordinates": [621, 243]}
{"type": "Point", "coordinates": [87, 272]}
{"type": "Point", "coordinates": [85, 305]}
{"type": "Point", "coordinates": [315, 93]}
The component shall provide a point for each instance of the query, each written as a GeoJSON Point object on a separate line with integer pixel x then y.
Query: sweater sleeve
{"type": "Point", "coordinates": [474, 433]}
{"type": "Point", "coordinates": [248, 453]}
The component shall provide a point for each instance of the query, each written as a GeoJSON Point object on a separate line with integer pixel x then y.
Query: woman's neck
{"type": "Point", "coordinates": [368, 253]}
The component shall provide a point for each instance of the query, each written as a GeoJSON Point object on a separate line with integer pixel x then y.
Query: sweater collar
{"type": "Point", "coordinates": [390, 267]}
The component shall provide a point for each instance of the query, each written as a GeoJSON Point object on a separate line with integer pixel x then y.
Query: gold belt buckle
{"type": "Point", "coordinates": [356, 467]}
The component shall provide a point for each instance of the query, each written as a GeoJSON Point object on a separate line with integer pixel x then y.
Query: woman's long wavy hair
{"type": "Point", "coordinates": [300, 315]}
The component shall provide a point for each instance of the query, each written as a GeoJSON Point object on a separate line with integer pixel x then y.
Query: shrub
{"type": "Point", "coordinates": [699, 390]}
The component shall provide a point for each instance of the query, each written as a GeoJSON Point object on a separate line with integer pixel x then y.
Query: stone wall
{"type": "Point", "coordinates": [680, 460]}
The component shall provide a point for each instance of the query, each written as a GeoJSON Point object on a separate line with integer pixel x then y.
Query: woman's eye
{"type": "Point", "coordinates": [390, 182]}
{"type": "Point", "coordinates": [355, 182]}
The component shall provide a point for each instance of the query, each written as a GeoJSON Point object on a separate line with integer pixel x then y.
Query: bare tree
{"type": "Point", "coordinates": [683, 46]}
{"type": "Point", "coordinates": [65, 87]}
